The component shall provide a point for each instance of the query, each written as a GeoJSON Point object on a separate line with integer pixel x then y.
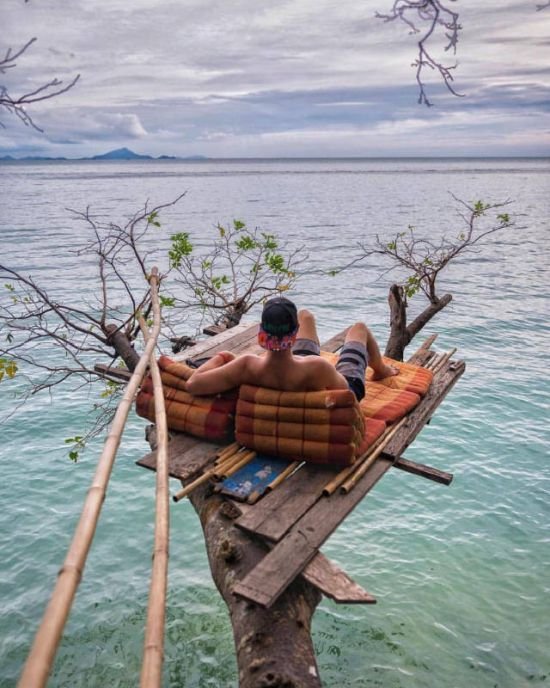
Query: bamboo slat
{"type": "Point", "coordinates": [153, 647]}
{"type": "Point", "coordinates": [365, 465]}
{"type": "Point", "coordinates": [443, 360]}
{"type": "Point", "coordinates": [39, 661]}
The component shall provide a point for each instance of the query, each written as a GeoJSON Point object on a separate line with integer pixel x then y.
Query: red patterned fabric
{"type": "Point", "coordinates": [411, 378]}
{"type": "Point", "coordinates": [208, 417]}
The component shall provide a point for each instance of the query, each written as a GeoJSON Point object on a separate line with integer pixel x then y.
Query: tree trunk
{"type": "Point", "coordinates": [124, 348]}
{"type": "Point", "coordinates": [397, 341]}
{"type": "Point", "coordinates": [402, 334]}
{"type": "Point", "coordinates": [273, 646]}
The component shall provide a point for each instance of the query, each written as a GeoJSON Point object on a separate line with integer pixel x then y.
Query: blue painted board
{"type": "Point", "coordinates": [255, 476]}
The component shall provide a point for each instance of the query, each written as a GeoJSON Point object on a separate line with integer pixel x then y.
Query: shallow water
{"type": "Point", "coordinates": [460, 573]}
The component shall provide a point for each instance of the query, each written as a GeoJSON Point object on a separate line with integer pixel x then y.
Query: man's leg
{"type": "Point", "coordinates": [307, 340]}
{"type": "Point", "coordinates": [361, 333]}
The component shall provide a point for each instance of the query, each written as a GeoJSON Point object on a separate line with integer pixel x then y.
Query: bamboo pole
{"type": "Point", "coordinates": [207, 475]}
{"type": "Point", "coordinates": [443, 360]}
{"type": "Point", "coordinates": [239, 464]}
{"type": "Point", "coordinates": [39, 661]}
{"type": "Point", "coordinates": [365, 465]}
{"type": "Point", "coordinates": [229, 457]}
{"type": "Point", "coordinates": [283, 476]}
{"type": "Point", "coordinates": [227, 451]}
{"type": "Point", "coordinates": [153, 646]}
{"type": "Point", "coordinates": [340, 477]}
{"type": "Point", "coordinates": [220, 470]}
{"type": "Point", "coordinates": [433, 361]}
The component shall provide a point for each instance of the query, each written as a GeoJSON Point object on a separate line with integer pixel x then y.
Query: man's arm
{"type": "Point", "coordinates": [217, 375]}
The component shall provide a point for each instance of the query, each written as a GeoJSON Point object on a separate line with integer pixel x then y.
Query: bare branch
{"type": "Point", "coordinates": [16, 105]}
{"type": "Point", "coordinates": [434, 16]}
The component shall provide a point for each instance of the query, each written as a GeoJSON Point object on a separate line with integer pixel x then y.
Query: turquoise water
{"type": "Point", "coordinates": [461, 573]}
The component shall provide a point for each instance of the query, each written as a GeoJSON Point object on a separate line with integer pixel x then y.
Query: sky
{"type": "Point", "coordinates": [252, 78]}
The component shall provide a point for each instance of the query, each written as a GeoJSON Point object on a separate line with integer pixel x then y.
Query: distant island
{"type": "Point", "coordinates": [117, 154]}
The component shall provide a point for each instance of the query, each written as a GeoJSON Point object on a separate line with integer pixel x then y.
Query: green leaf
{"type": "Point", "coordinates": [152, 219]}
{"type": "Point", "coordinates": [246, 243]}
{"type": "Point", "coordinates": [73, 455]}
{"type": "Point", "coordinates": [167, 301]}
{"type": "Point", "coordinates": [181, 247]}
{"type": "Point", "coordinates": [238, 225]}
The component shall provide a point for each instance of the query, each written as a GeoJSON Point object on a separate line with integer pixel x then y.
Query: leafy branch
{"type": "Point", "coordinates": [242, 268]}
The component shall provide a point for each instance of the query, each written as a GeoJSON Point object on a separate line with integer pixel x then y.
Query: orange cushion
{"type": "Point", "coordinates": [208, 417]}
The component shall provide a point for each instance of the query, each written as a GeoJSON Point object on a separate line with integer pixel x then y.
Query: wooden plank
{"type": "Point", "coordinates": [277, 512]}
{"type": "Point", "coordinates": [442, 383]}
{"type": "Point", "coordinates": [423, 471]}
{"type": "Point", "coordinates": [187, 456]}
{"type": "Point", "coordinates": [271, 576]}
{"type": "Point", "coordinates": [335, 583]}
{"type": "Point", "coordinates": [288, 558]}
{"type": "Point", "coordinates": [219, 342]}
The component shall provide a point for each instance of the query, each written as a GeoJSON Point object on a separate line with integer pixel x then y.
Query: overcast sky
{"type": "Point", "coordinates": [251, 78]}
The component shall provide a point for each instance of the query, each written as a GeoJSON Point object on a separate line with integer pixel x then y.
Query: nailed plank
{"type": "Point", "coordinates": [277, 512]}
{"type": "Point", "coordinates": [288, 558]}
{"type": "Point", "coordinates": [186, 456]}
{"type": "Point", "coordinates": [335, 583]}
{"type": "Point", "coordinates": [225, 340]}
{"type": "Point", "coordinates": [271, 576]}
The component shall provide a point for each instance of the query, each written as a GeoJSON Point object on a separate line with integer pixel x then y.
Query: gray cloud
{"type": "Point", "coordinates": [296, 77]}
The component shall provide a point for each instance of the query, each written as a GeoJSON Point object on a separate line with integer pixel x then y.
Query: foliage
{"type": "Point", "coordinates": [423, 259]}
{"type": "Point", "coordinates": [241, 269]}
{"type": "Point", "coordinates": [60, 342]}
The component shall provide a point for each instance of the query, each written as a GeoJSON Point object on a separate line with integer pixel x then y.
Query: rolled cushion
{"type": "Point", "coordinates": [321, 427]}
{"type": "Point", "coordinates": [411, 378]}
{"type": "Point", "coordinates": [207, 417]}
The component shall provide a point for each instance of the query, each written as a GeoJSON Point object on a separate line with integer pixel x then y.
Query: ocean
{"type": "Point", "coordinates": [461, 573]}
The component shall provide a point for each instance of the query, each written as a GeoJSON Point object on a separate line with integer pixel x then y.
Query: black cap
{"type": "Point", "coordinates": [279, 323]}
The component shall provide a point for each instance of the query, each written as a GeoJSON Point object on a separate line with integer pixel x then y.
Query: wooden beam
{"type": "Point", "coordinates": [273, 517]}
{"type": "Point", "coordinates": [119, 374]}
{"type": "Point", "coordinates": [225, 340]}
{"type": "Point", "coordinates": [187, 456]}
{"type": "Point", "coordinates": [335, 583]}
{"type": "Point", "coordinates": [271, 576]}
{"type": "Point", "coordinates": [422, 470]}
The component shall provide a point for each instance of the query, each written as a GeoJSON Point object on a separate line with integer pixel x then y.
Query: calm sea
{"type": "Point", "coordinates": [461, 573]}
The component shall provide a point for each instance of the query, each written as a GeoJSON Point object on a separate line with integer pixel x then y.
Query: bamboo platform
{"type": "Point", "coordinates": [296, 518]}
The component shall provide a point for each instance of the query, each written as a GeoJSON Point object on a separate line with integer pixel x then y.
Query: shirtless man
{"type": "Point", "coordinates": [292, 362]}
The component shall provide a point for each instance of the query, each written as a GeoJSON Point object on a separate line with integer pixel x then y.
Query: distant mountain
{"type": "Point", "coordinates": [117, 154]}
{"type": "Point", "coordinates": [121, 154]}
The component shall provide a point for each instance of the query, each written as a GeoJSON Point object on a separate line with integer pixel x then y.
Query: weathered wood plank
{"type": "Point", "coordinates": [442, 383]}
{"type": "Point", "coordinates": [284, 562]}
{"type": "Point", "coordinates": [219, 342]}
{"type": "Point", "coordinates": [423, 471]}
{"type": "Point", "coordinates": [335, 583]}
{"type": "Point", "coordinates": [276, 513]}
{"type": "Point", "coordinates": [288, 558]}
{"type": "Point", "coordinates": [187, 456]}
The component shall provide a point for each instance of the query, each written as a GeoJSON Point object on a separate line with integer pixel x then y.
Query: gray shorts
{"type": "Point", "coordinates": [352, 362]}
